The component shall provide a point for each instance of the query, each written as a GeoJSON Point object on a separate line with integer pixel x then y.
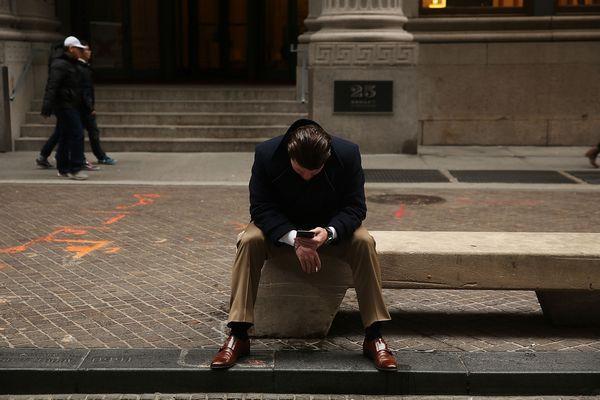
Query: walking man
{"type": "Point", "coordinates": [88, 119]}
{"type": "Point", "coordinates": [306, 180]}
{"type": "Point", "coordinates": [63, 97]}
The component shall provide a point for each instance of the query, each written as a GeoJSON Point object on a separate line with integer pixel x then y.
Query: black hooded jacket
{"type": "Point", "coordinates": [280, 200]}
{"type": "Point", "coordinates": [64, 86]}
{"type": "Point", "coordinates": [87, 80]}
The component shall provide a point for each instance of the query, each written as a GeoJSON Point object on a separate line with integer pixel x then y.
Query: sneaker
{"type": "Point", "coordinates": [42, 162]}
{"type": "Point", "coordinates": [88, 166]}
{"type": "Point", "coordinates": [78, 176]}
{"type": "Point", "coordinates": [62, 174]}
{"type": "Point", "coordinates": [107, 161]}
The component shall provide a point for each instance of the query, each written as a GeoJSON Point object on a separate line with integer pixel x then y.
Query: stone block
{"type": "Point", "coordinates": [489, 260]}
{"type": "Point", "coordinates": [584, 52]}
{"type": "Point", "coordinates": [571, 307]}
{"type": "Point", "coordinates": [485, 132]}
{"type": "Point", "coordinates": [574, 132]}
{"type": "Point", "coordinates": [291, 303]}
{"type": "Point", "coordinates": [452, 54]}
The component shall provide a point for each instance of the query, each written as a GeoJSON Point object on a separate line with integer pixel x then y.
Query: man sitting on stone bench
{"type": "Point", "coordinates": [306, 180]}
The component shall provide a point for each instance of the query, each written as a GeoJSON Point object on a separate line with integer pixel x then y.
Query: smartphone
{"type": "Point", "coordinates": [305, 234]}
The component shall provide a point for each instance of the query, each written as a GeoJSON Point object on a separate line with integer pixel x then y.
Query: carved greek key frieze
{"type": "Point", "coordinates": [361, 54]}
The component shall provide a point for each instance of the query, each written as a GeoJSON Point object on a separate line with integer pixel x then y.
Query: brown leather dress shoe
{"type": "Point", "coordinates": [233, 349]}
{"type": "Point", "coordinates": [378, 351]}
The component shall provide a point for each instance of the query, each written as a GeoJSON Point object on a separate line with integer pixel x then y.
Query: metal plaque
{"type": "Point", "coordinates": [363, 96]}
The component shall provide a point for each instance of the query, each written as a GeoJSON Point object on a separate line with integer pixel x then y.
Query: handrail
{"type": "Point", "coordinates": [303, 72]}
{"type": "Point", "coordinates": [24, 72]}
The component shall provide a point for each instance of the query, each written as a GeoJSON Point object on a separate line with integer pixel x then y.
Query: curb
{"type": "Point", "coordinates": [48, 371]}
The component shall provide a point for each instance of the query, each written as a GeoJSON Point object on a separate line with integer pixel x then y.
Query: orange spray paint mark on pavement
{"type": "Point", "coordinates": [79, 246]}
{"type": "Point", "coordinates": [112, 250]}
{"type": "Point", "coordinates": [143, 200]}
{"type": "Point", "coordinates": [114, 219]}
{"type": "Point", "coordinates": [400, 212]}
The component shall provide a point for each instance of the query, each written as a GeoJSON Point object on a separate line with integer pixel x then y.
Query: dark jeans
{"type": "Point", "coordinates": [69, 154]}
{"type": "Point", "coordinates": [90, 125]}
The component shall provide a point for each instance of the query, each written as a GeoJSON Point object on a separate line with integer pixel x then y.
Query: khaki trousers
{"type": "Point", "coordinates": [253, 248]}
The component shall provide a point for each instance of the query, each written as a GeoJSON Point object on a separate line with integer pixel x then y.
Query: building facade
{"type": "Point", "coordinates": [388, 74]}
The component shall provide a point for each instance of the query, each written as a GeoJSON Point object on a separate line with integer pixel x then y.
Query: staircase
{"type": "Point", "coordinates": [191, 118]}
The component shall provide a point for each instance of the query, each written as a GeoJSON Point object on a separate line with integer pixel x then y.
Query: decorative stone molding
{"type": "Point", "coordinates": [28, 20]}
{"type": "Point", "coordinates": [362, 54]}
{"type": "Point", "coordinates": [361, 6]}
{"type": "Point", "coordinates": [361, 21]}
{"type": "Point", "coordinates": [505, 29]}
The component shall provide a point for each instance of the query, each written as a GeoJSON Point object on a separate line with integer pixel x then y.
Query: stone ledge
{"type": "Point", "coordinates": [30, 371]}
{"type": "Point", "coordinates": [504, 29]}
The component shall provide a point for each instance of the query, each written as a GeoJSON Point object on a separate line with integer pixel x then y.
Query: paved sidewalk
{"type": "Point", "coordinates": [140, 257]}
{"type": "Point", "coordinates": [234, 168]}
{"type": "Point", "coordinates": [124, 266]}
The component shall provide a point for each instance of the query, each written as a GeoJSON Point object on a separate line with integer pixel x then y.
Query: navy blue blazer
{"type": "Point", "coordinates": [280, 200]}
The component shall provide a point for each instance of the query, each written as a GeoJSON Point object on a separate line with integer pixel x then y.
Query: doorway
{"type": "Point", "coordinates": [212, 41]}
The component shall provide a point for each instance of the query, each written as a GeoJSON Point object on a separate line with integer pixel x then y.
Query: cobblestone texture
{"type": "Point", "coordinates": [149, 267]}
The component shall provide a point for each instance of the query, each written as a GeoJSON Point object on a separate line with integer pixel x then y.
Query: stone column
{"type": "Point", "coordinates": [27, 27]}
{"type": "Point", "coordinates": [364, 40]}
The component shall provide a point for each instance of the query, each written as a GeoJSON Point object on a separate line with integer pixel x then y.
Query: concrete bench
{"type": "Point", "coordinates": [562, 268]}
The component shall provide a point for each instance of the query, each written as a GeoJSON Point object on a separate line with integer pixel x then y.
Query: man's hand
{"type": "Point", "coordinates": [93, 113]}
{"type": "Point", "coordinates": [316, 241]}
{"type": "Point", "coordinates": [309, 259]}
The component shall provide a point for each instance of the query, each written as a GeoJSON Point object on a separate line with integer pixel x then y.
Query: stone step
{"type": "Point", "coordinates": [156, 144]}
{"type": "Point", "coordinates": [168, 131]}
{"type": "Point", "coordinates": [218, 106]}
{"type": "Point", "coordinates": [157, 92]}
{"type": "Point", "coordinates": [242, 119]}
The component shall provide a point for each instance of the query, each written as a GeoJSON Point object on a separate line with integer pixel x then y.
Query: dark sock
{"type": "Point", "coordinates": [239, 329]}
{"type": "Point", "coordinates": [373, 331]}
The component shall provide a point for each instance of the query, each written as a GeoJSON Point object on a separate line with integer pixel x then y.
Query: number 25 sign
{"type": "Point", "coordinates": [363, 96]}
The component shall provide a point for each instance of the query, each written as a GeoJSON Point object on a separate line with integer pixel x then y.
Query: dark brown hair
{"type": "Point", "coordinates": [309, 146]}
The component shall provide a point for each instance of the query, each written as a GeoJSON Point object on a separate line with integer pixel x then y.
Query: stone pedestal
{"type": "Point", "coordinates": [570, 307]}
{"type": "Point", "coordinates": [364, 40]}
{"type": "Point", "coordinates": [291, 303]}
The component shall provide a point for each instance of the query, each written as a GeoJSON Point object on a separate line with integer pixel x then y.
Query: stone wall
{"type": "Point", "coordinates": [509, 80]}
{"type": "Point", "coordinates": [524, 93]}
{"type": "Point", "coordinates": [520, 80]}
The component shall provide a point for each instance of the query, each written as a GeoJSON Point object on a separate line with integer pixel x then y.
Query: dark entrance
{"type": "Point", "coordinates": [191, 40]}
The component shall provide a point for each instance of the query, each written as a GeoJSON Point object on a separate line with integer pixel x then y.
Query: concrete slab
{"type": "Point", "coordinates": [474, 162]}
{"type": "Point", "coordinates": [393, 161]}
{"type": "Point", "coordinates": [235, 167]}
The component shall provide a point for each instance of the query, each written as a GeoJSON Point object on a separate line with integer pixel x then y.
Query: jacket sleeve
{"type": "Point", "coordinates": [56, 76]}
{"type": "Point", "coordinates": [264, 210]}
{"type": "Point", "coordinates": [353, 208]}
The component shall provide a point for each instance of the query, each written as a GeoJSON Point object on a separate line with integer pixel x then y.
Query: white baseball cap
{"type": "Point", "coordinates": [72, 41]}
